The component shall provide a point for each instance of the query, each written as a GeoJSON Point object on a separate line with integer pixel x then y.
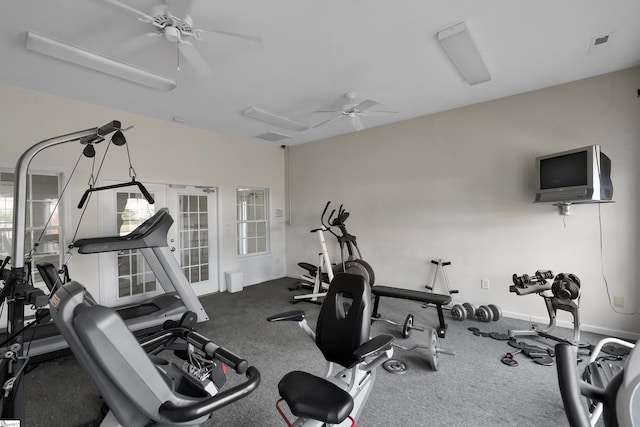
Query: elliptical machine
{"type": "Point", "coordinates": [353, 263]}
{"type": "Point", "coordinates": [320, 276]}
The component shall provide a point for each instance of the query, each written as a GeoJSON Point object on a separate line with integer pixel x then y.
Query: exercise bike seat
{"type": "Point", "coordinates": [309, 396]}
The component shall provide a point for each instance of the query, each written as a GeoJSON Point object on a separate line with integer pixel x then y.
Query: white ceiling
{"type": "Point", "coordinates": [314, 51]}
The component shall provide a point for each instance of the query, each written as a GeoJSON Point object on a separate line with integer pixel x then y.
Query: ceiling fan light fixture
{"type": "Point", "coordinates": [172, 34]}
{"type": "Point", "coordinates": [461, 49]}
{"type": "Point", "coordinates": [93, 61]}
{"type": "Point", "coordinates": [272, 119]}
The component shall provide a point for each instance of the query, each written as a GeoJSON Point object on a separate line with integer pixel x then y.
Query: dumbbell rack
{"type": "Point", "coordinates": [484, 313]}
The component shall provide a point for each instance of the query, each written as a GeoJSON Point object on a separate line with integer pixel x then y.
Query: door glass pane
{"type": "Point", "coordinates": [135, 277]}
{"type": "Point", "coordinates": [194, 236]}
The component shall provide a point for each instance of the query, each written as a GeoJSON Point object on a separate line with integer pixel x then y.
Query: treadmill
{"type": "Point", "coordinates": [150, 238]}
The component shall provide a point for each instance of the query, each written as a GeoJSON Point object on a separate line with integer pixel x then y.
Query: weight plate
{"type": "Point", "coordinates": [615, 350]}
{"type": "Point", "coordinates": [458, 312]}
{"type": "Point", "coordinates": [395, 366]}
{"type": "Point", "coordinates": [471, 310]}
{"type": "Point", "coordinates": [484, 314]}
{"type": "Point", "coordinates": [432, 349]}
{"type": "Point", "coordinates": [545, 360]}
{"type": "Point", "coordinates": [497, 313]}
{"type": "Point", "coordinates": [509, 361]}
{"type": "Point", "coordinates": [408, 326]}
{"type": "Point", "coordinates": [499, 336]}
{"type": "Point", "coordinates": [517, 344]}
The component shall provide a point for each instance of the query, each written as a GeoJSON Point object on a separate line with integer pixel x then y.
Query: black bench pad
{"type": "Point", "coordinates": [428, 297]}
{"type": "Point", "coordinates": [309, 396]}
{"type": "Point", "coordinates": [409, 294]}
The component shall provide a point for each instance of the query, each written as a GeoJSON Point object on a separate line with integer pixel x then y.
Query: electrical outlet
{"type": "Point", "coordinates": [618, 301]}
{"type": "Point", "coordinates": [484, 283]}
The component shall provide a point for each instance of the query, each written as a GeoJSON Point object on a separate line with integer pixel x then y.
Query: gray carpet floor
{"type": "Point", "coordinates": [471, 388]}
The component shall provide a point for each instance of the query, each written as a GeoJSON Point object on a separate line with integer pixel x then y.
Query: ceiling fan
{"type": "Point", "coordinates": [172, 21]}
{"type": "Point", "coordinates": [353, 111]}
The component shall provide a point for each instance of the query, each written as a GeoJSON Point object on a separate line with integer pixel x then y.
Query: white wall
{"type": "Point", "coordinates": [459, 186]}
{"type": "Point", "coordinates": [161, 152]}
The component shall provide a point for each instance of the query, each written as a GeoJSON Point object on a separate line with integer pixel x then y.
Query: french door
{"type": "Point", "coordinates": [125, 276]}
{"type": "Point", "coordinates": [194, 235]}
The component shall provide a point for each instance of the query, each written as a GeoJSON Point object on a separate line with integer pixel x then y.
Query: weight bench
{"type": "Point", "coordinates": [409, 294]}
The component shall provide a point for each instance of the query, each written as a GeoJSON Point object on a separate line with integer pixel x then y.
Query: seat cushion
{"type": "Point", "coordinates": [309, 396]}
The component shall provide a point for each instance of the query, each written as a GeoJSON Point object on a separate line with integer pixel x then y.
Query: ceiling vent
{"type": "Point", "coordinates": [273, 136]}
{"type": "Point", "coordinates": [273, 119]}
{"type": "Point", "coordinates": [599, 43]}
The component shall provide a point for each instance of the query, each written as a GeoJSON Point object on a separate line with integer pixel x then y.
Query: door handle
{"type": "Point", "coordinates": [173, 249]}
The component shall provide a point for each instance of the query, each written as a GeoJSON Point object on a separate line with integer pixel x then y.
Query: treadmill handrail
{"type": "Point", "coordinates": [151, 233]}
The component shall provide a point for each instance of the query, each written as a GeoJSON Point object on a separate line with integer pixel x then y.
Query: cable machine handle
{"type": "Point", "coordinates": [141, 187]}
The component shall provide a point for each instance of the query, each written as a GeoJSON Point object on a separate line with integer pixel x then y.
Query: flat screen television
{"type": "Point", "coordinates": [582, 175]}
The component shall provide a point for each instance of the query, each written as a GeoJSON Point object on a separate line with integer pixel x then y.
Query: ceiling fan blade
{"type": "Point", "coordinates": [248, 37]}
{"type": "Point", "coordinates": [329, 111]}
{"type": "Point", "coordinates": [138, 43]}
{"type": "Point", "coordinates": [179, 8]}
{"type": "Point", "coordinates": [327, 121]}
{"type": "Point", "coordinates": [140, 14]}
{"type": "Point", "coordinates": [367, 103]}
{"type": "Point", "coordinates": [191, 54]}
{"type": "Point", "coordinates": [378, 112]}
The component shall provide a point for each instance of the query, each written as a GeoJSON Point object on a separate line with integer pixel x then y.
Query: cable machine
{"type": "Point", "coordinates": [18, 290]}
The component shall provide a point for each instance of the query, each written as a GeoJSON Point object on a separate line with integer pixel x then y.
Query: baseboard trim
{"type": "Point", "coordinates": [543, 321]}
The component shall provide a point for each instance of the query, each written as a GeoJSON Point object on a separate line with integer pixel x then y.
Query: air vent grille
{"type": "Point", "coordinates": [273, 136]}
{"type": "Point", "coordinates": [600, 42]}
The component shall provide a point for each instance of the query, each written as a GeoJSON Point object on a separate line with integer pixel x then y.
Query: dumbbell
{"type": "Point", "coordinates": [484, 313]}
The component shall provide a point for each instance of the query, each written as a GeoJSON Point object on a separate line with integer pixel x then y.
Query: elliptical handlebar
{"type": "Point", "coordinates": [326, 224]}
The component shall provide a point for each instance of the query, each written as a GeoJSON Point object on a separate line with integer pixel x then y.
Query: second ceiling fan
{"type": "Point", "coordinates": [354, 111]}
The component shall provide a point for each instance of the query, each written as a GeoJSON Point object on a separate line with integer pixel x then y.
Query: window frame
{"type": "Point", "coordinates": [247, 222]}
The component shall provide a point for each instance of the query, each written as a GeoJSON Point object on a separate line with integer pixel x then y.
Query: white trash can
{"type": "Point", "coordinates": [235, 281]}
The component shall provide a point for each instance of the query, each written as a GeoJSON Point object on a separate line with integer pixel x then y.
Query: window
{"type": "Point", "coordinates": [251, 208]}
{"type": "Point", "coordinates": [43, 224]}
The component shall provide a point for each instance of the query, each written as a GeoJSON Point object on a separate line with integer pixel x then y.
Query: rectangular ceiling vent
{"type": "Point", "coordinates": [273, 119]}
{"type": "Point", "coordinates": [599, 43]}
{"type": "Point", "coordinates": [273, 136]}
{"type": "Point", "coordinates": [600, 40]}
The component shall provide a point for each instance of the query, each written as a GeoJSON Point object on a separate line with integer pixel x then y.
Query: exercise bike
{"type": "Point", "coordinates": [139, 387]}
{"type": "Point", "coordinates": [342, 335]}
